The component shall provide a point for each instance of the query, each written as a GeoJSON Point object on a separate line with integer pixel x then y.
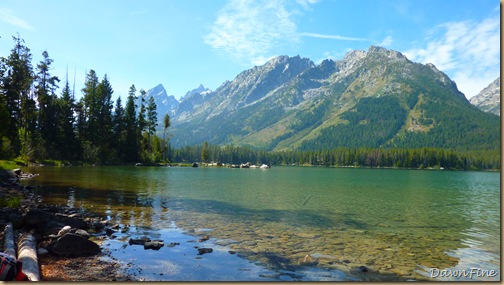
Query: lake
{"type": "Point", "coordinates": [292, 223]}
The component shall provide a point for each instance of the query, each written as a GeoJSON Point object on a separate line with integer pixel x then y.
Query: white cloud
{"type": "Point", "coordinates": [252, 30]}
{"type": "Point", "coordinates": [333, 37]}
{"type": "Point", "coordinates": [260, 60]}
{"type": "Point", "coordinates": [306, 3]}
{"type": "Point", "coordinates": [386, 41]}
{"type": "Point", "coordinates": [469, 52]}
{"type": "Point", "coordinates": [249, 30]}
{"type": "Point", "coordinates": [7, 16]}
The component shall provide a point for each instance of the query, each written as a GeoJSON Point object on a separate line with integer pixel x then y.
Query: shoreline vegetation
{"type": "Point", "coordinates": [243, 157]}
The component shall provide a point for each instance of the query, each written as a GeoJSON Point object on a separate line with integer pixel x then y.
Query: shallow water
{"type": "Point", "coordinates": [399, 224]}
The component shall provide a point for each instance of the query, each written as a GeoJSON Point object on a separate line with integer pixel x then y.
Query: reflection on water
{"type": "Point", "coordinates": [399, 224]}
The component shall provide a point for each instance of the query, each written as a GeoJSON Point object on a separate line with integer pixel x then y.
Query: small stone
{"type": "Point", "coordinates": [155, 245]}
{"type": "Point", "coordinates": [64, 230]}
{"type": "Point", "coordinates": [82, 233]}
{"type": "Point", "coordinates": [204, 250]}
{"type": "Point", "coordinates": [42, 251]}
{"type": "Point", "coordinates": [140, 241]}
{"type": "Point", "coordinates": [363, 268]}
{"type": "Point", "coordinates": [205, 238]}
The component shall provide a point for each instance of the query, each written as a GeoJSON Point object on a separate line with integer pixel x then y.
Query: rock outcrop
{"type": "Point", "coordinates": [488, 99]}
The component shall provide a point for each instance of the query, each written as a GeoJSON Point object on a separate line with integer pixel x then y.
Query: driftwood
{"type": "Point", "coordinates": [9, 245]}
{"type": "Point", "coordinates": [27, 253]}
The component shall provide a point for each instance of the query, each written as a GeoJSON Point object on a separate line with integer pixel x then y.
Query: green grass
{"type": "Point", "coordinates": [11, 202]}
{"type": "Point", "coordinates": [11, 164]}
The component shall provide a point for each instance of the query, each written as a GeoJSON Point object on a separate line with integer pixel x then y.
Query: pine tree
{"type": "Point", "coordinates": [67, 142]}
{"type": "Point", "coordinates": [16, 89]}
{"type": "Point", "coordinates": [205, 152]}
{"type": "Point", "coordinates": [151, 116]}
{"type": "Point", "coordinates": [91, 107]}
{"type": "Point", "coordinates": [48, 111]}
{"type": "Point", "coordinates": [142, 123]}
{"type": "Point", "coordinates": [119, 129]}
{"type": "Point", "coordinates": [104, 118]}
{"type": "Point", "coordinates": [166, 125]}
{"type": "Point", "coordinates": [130, 124]}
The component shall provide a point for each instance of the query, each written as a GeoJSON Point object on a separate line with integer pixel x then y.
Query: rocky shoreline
{"type": "Point", "coordinates": [67, 239]}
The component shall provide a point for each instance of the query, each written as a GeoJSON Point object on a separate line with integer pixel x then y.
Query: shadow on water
{"type": "Point", "coordinates": [121, 202]}
{"type": "Point", "coordinates": [297, 218]}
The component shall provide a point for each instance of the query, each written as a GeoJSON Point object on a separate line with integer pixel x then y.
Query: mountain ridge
{"type": "Point", "coordinates": [488, 99]}
{"type": "Point", "coordinates": [374, 98]}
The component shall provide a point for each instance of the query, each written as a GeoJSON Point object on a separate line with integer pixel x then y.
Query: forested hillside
{"type": "Point", "coordinates": [375, 98]}
{"type": "Point", "coordinates": [373, 108]}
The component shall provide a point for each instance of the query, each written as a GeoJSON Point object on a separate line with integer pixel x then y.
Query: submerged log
{"type": "Point", "coordinates": [28, 255]}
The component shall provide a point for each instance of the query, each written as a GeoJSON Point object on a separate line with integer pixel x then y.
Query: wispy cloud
{"type": "Point", "coordinates": [250, 30]}
{"type": "Point", "coordinates": [333, 37]}
{"type": "Point", "coordinates": [306, 3]}
{"type": "Point", "coordinates": [7, 16]}
{"type": "Point", "coordinates": [386, 41]}
{"type": "Point", "coordinates": [469, 51]}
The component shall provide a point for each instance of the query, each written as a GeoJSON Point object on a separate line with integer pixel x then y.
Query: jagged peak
{"type": "Point", "coordinates": [386, 52]}
{"type": "Point", "coordinates": [158, 90]}
{"type": "Point", "coordinates": [157, 87]}
{"type": "Point", "coordinates": [199, 90]}
{"type": "Point", "coordinates": [354, 54]}
{"type": "Point", "coordinates": [284, 59]}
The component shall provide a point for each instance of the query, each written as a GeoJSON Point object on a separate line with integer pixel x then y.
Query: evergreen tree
{"type": "Point", "coordinates": [48, 112]}
{"type": "Point", "coordinates": [142, 123]}
{"type": "Point", "coordinates": [16, 89]}
{"type": "Point", "coordinates": [91, 107]}
{"type": "Point", "coordinates": [119, 129]}
{"type": "Point", "coordinates": [166, 125]}
{"type": "Point", "coordinates": [67, 142]}
{"type": "Point", "coordinates": [130, 124]}
{"type": "Point", "coordinates": [104, 118]}
{"type": "Point", "coordinates": [151, 116]}
{"type": "Point", "coordinates": [205, 152]}
{"type": "Point", "coordinates": [80, 124]}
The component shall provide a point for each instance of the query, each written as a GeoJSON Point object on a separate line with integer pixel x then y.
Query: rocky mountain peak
{"type": "Point", "coordinates": [391, 54]}
{"type": "Point", "coordinates": [488, 99]}
{"type": "Point", "coordinates": [191, 93]}
{"type": "Point", "coordinates": [157, 91]}
{"type": "Point", "coordinates": [284, 60]}
{"type": "Point", "coordinates": [165, 104]}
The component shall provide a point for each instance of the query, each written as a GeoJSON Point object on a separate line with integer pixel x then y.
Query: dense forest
{"type": "Point", "coordinates": [418, 158]}
{"type": "Point", "coordinates": [37, 124]}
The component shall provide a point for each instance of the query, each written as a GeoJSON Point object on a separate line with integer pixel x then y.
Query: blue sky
{"type": "Point", "coordinates": [184, 43]}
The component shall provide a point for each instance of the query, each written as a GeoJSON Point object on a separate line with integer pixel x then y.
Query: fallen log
{"type": "Point", "coordinates": [9, 245]}
{"type": "Point", "coordinates": [27, 253]}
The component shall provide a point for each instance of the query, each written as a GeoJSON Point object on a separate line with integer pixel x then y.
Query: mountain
{"type": "Point", "coordinates": [488, 99]}
{"type": "Point", "coordinates": [166, 104]}
{"type": "Point", "coordinates": [192, 99]}
{"type": "Point", "coordinates": [375, 98]}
